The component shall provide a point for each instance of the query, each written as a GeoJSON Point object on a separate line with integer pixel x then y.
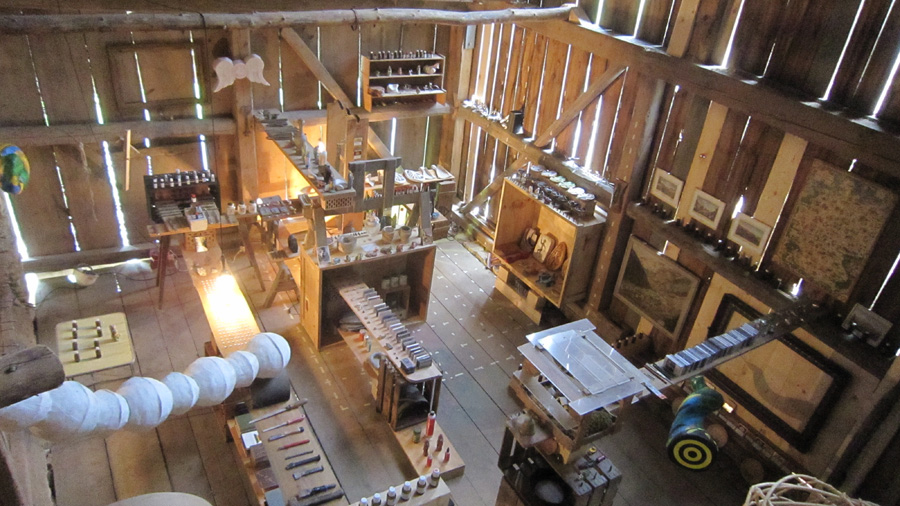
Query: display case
{"type": "Point", "coordinates": [402, 80]}
{"type": "Point", "coordinates": [521, 212]}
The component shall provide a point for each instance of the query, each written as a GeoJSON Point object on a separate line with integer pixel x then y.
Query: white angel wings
{"type": "Point", "coordinates": [227, 70]}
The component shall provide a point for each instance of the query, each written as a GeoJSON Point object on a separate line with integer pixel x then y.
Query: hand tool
{"type": "Point", "coordinates": [314, 470]}
{"type": "Point", "coordinates": [299, 455]}
{"type": "Point", "coordinates": [294, 465]}
{"type": "Point", "coordinates": [315, 490]}
{"type": "Point", "coordinates": [289, 422]}
{"type": "Point", "coordinates": [286, 434]}
{"type": "Point", "coordinates": [322, 499]}
{"type": "Point", "coordinates": [292, 445]}
{"type": "Point", "coordinates": [280, 411]}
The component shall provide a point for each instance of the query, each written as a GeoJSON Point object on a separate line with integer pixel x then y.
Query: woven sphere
{"type": "Point", "coordinates": [185, 392]}
{"type": "Point", "coordinates": [25, 413]}
{"type": "Point", "coordinates": [246, 367]}
{"type": "Point", "coordinates": [73, 413]}
{"type": "Point", "coordinates": [149, 400]}
{"type": "Point", "coordinates": [273, 352]}
{"type": "Point", "coordinates": [216, 378]}
{"type": "Point", "coordinates": [112, 412]}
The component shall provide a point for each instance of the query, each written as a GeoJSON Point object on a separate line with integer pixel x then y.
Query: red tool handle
{"type": "Point", "coordinates": [293, 445]}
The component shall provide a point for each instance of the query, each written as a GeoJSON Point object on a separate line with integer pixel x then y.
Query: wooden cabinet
{"type": "Point", "coordinates": [402, 81]}
{"type": "Point", "coordinates": [519, 211]}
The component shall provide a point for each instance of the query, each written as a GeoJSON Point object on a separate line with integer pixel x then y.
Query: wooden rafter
{"type": "Point", "coordinates": [315, 66]}
{"type": "Point", "coordinates": [378, 145]}
{"type": "Point", "coordinates": [62, 23]}
{"type": "Point", "coordinates": [860, 138]}
{"type": "Point", "coordinates": [596, 89]}
{"type": "Point", "coordinates": [88, 133]}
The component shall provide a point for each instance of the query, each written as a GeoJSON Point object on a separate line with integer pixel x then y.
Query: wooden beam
{"type": "Point", "coordinates": [378, 146]}
{"type": "Point", "coordinates": [315, 117]}
{"type": "Point", "coordinates": [92, 133]}
{"type": "Point", "coordinates": [315, 66]}
{"type": "Point", "coordinates": [134, 22]}
{"type": "Point", "coordinates": [553, 129]}
{"type": "Point", "coordinates": [245, 138]}
{"type": "Point", "coordinates": [854, 137]}
{"type": "Point", "coordinates": [532, 152]}
{"type": "Point", "coordinates": [569, 115]}
{"type": "Point", "coordinates": [29, 372]}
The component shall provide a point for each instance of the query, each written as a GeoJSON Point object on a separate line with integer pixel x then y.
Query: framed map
{"type": "Point", "coordinates": [786, 384]}
{"type": "Point", "coordinates": [833, 227]}
{"type": "Point", "coordinates": [656, 287]}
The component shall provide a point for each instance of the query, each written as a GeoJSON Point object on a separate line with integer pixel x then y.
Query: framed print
{"type": "Point", "coordinates": [706, 209]}
{"type": "Point", "coordinates": [666, 187]}
{"type": "Point", "coordinates": [833, 228]}
{"type": "Point", "coordinates": [749, 233]}
{"type": "Point", "coordinates": [656, 287]}
{"type": "Point", "coordinates": [786, 384]}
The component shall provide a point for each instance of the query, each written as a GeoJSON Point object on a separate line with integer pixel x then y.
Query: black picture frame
{"type": "Point", "coordinates": [801, 439]}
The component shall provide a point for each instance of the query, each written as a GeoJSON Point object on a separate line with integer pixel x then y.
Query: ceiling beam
{"type": "Point", "coordinates": [63, 23]}
{"type": "Point", "coordinates": [87, 133]}
{"type": "Point", "coordinates": [854, 137]}
{"type": "Point", "coordinates": [315, 66]}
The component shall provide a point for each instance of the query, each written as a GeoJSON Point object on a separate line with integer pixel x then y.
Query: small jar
{"type": "Point", "coordinates": [391, 497]}
{"type": "Point", "coordinates": [242, 208]}
{"type": "Point", "coordinates": [434, 478]}
{"type": "Point", "coordinates": [406, 491]}
{"type": "Point", "coordinates": [376, 500]}
{"type": "Point", "coordinates": [231, 209]}
{"type": "Point", "coordinates": [421, 484]}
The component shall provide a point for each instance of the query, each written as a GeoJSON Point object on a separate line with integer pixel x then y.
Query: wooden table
{"type": "Point", "coordinates": [115, 352]}
{"type": "Point", "coordinates": [278, 458]}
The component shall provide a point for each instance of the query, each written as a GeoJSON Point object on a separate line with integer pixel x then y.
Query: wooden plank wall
{"type": "Point", "coordinates": [62, 79]}
{"type": "Point", "coordinates": [840, 51]}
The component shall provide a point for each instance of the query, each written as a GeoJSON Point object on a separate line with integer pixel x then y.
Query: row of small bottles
{"type": "Point", "coordinates": [249, 208]}
{"type": "Point", "coordinates": [182, 178]}
{"type": "Point", "coordinates": [406, 491]}
{"type": "Point", "coordinates": [397, 55]}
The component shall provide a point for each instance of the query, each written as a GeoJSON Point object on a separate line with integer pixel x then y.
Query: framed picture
{"type": "Point", "coordinates": [749, 233]}
{"type": "Point", "coordinates": [706, 209]}
{"type": "Point", "coordinates": [786, 384]}
{"type": "Point", "coordinates": [666, 187]}
{"type": "Point", "coordinates": [656, 287]}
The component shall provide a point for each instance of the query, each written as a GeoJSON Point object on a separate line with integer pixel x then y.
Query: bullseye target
{"type": "Point", "coordinates": [695, 451]}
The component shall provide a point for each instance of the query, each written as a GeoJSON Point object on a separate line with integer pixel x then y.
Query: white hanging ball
{"type": "Point", "coordinates": [73, 413]}
{"type": "Point", "coordinates": [149, 400]}
{"type": "Point", "coordinates": [25, 413]}
{"type": "Point", "coordinates": [112, 412]}
{"type": "Point", "coordinates": [273, 352]}
{"type": "Point", "coordinates": [185, 392]}
{"type": "Point", "coordinates": [246, 367]}
{"type": "Point", "coordinates": [216, 378]}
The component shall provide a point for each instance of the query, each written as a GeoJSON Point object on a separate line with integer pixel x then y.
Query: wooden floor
{"type": "Point", "coordinates": [472, 331]}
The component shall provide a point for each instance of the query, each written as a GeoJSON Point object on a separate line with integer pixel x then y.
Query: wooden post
{"type": "Point", "coordinates": [245, 142]}
{"type": "Point", "coordinates": [636, 150]}
{"type": "Point", "coordinates": [27, 373]}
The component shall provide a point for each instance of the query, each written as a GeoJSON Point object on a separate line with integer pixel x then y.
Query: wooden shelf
{"type": "Point", "coordinates": [407, 76]}
{"type": "Point", "coordinates": [415, 93]}
{"type": "Point", "coordinates": [826, 331]}
{"type": "Point", "coordinates": [520, 211]}
{"type": "Point", "coordinates": [369, 67]}
{"type": "Point", "coordinates": [430, 58]}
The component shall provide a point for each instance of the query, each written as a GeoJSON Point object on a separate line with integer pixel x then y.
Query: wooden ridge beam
{"type": "Point", "coordinates": [315, 66]}
{"type": "Point", "coordinates": [29, 372]}
{"type": "Point", "coordinates": [87, 133]}
{"type": "Point", "coordinates": [855, 137]}
{"type": "Point", "coordinates": [596, 89]}
{"type": "Point", "coordinates": [134, 22]}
